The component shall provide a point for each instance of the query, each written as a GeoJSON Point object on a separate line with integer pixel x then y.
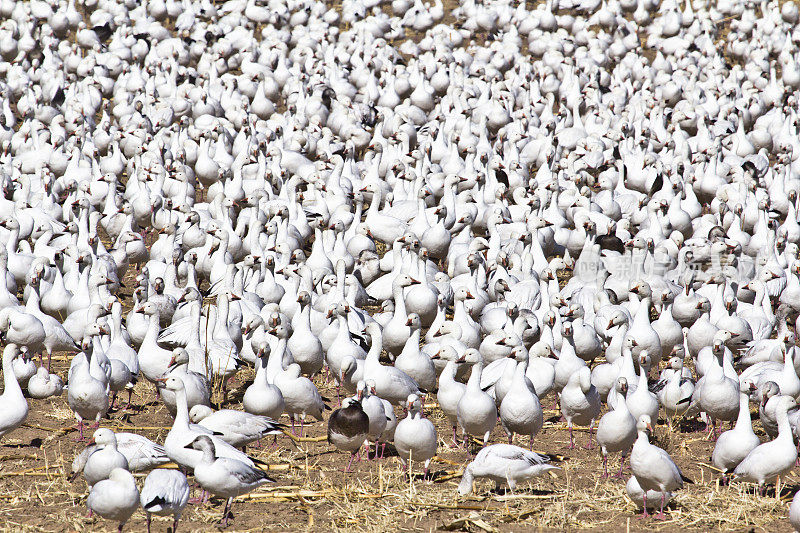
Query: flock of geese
{"type": "Point", "coordinates": [310, 191]}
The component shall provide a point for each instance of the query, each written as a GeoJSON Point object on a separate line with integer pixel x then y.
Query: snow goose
{"type": "Point", "coordinates": [181, 435]}
{"type": "Point", "coordinates": [43, 384]}
{"type": "Point", "coordinates": [115, 498]}
{"type": "Point", "coordinates": [15, 406]}
{"type": "Point", "coordinates": [774, 458]}
{"type": "Point", "coordinates": [735, 444]}
{"type": "Point", "coordinates": [165, 492]}
{"type": "Point", "coordinates": [224, 476]}
{"type": "Point", "coordinates": [653, 468]}
{"type": "Point", "coordinates": [373, 407]}
{"type": "Point", "coordinates": [21, 328]}
{"type": "Point", "coordinates": [348, 428]}
{"type": "Point", "coordinates": [580, 403]}
{"type": "Point", "coordinates": [303, 344]}
{"type": "Point", "coordinates": [415, 363]}
{"type": "Point", "coordinates": [676, 394]}
{"type": "Point", "coordinates": [616, 431]}
{"type": "Point", "coordinates": [198, 389]}
{"type": "Point", "coordinates": [237, 428]}
{"type": "Point", "coordinates": [300, 396]}
{"type": "Point", "coordinates": [504, 463]}
{"type": "Point", "coordinates": [153, 359]}
{"type": "Point", "coordinates": [641, 330]}
{"type": "Point", "coordinates": [56, 337]}
{"type": "Point", "coordinates": [794, 512]}
{"type": "Point", "coordinates": [87, 393]}
{"type": "Point", "coordinates": [397, 330]}
{"type": "Point", "coordinates": [716, 393]}
{"type": "Point", "coordinates": [476, 410]}
{"type": "Point", "coordinates": [520, 410]}
{"type": "Point", "coordinates": [262, 397]}
{"type": "Point", "coordinates": [641, 498]}
{"type": "Point", "coordinates": [103, 458]}
{"type": "Point", "coordinates": [450, 392]}
{"type": "Point", "coordinates": [415, 437]}
{"type": "Point", "coordinates": [641, 400]}
{"type": "Point", "coordinates": [390, 383]}
{"type": "Point", "coordinates": [141, 453]}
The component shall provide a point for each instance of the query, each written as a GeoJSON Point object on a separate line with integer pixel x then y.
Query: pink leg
{"type": "Point", "coordinates": [349, 464]}
{"type": "Point", "coordinates": [571, 439]}
{"type": "Point", "coordinates": [605, 466]}
{"type": "Point", "coordinates": [660, 515]}
{"type": "Point", "coordinates": [644, 511]}
{"type": "Point", "coordinates": [619, 475]}
{"type": "Point", "coordinates": [590, 446]}
{"type": "Point", "coordinates": [80, 431]}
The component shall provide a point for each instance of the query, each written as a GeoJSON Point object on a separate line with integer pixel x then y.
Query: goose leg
{"type": "Point", "coordinates": [349, 464]}
{"type": "Point", "coordinates": [644, 507]}
{"type": "Point", "coordinates": [590, 445]}
{"type": "Point", "coordinates": [148, 522]}
{"type": "Point", "coordinates": [571, 439]}
{"type": "Point", "coordinates": [175, 525]}
{"type": "Point", "coordinates": [605, 466]}
{"type": "Point", "coordinates": [660, 515]}
{"type": "Point", "coordinates": [619, 474]}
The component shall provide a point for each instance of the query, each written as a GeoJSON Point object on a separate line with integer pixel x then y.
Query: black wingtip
{"type": "Point", "coordinates": [686, 479]}
{"type": "Point", "coordinates": [327, 407]}
{"type": "Point", "coordinates": [158, 500]}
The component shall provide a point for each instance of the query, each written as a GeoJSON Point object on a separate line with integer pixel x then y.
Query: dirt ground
{"type": "Point", "coordinates": [312, 493]}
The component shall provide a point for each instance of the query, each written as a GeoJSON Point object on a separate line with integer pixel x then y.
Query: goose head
{"type": "Point", "coordinates": [104, 437]}
{"type": "Point", "coordinates": [644, 424]}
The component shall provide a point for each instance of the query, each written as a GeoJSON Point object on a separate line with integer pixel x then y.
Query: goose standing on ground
{"type": "Point", "coordinates": [415, 437]}
{"type": "Point", "coordinates": [520, 410]}
{"type": "Point", "coordinates": [450, 392]}
{"type": "Point", "coordinates": [181, 435]}
{"type": "Point", "coordinates": [772, 459]}
{"type": "Point", "coordinates": [14, 405]}
{"type": "Point", "coordinates": [223, 476]}
{"type": "Point", "coordinates": [115, 498]}
{"type": "Point", "coordinates": [504, 463]}
{"type": "Point", "coordinates": [348, 428]}
{"type": "Point", "coordinates": [165, 492]}
{"type": "Point", "coordinates": [616, 431]}
{"type": "Point", "coordinates": [476, 411]}
{"type": "Point", "coordinates": [735, 444]}
{"type": "Point", "coordinates": [650, 499]}
{"type": "Point", "coordinates": [794, 512]}
{"type": "Point", "coordinates": [373, 407]}
{"type": "Point", "coordinates": [653, 468]}
{"type": "Point", "coordinates": [580, 403]}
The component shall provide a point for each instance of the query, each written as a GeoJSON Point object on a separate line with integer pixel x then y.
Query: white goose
{"type": "Point", "coordinates": [653, 468]}
{"type": "Point", "coordinates": [13, 402]}
{"type": "Point", "coordinates": [504, 463]}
